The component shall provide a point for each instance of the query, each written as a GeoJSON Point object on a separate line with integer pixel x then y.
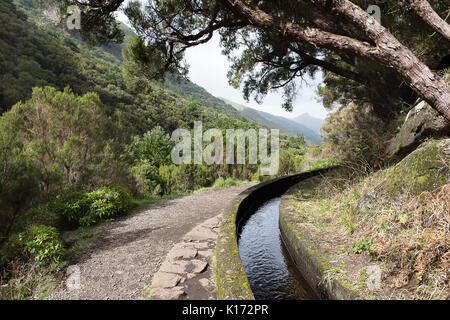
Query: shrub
{"type": "Point", "coordinates": [109, 201]}
{"type": "Point", "coordinates": [322, 163]}
{"type": "Point", "coordinates": [64, 213]}
{"type": "Point", "coordinates": [355, 135]}
{"type": "Point", "coordinates": [223, 183]}
{"type": "Point", "coordinates": [202, 176]}
{"type": "Point", "coordinates": [19, 185]}
{"type": "Point", "coordinates": [75, 207]}
{"type": "Point", "coordinates": [170, 176]}
{"type": "Point", "coordinates": [82, 208]}
{"type": "Point", "coordinates": [88, 220]}
{"type": "Point", "coordinates": [40, 243]}
{"type": "Point", "coordinates": [146, 177]}
{"type": "Point", "coordinates": [219, 183]}
{"type": "Point", "coordinates": [287, 163]}
{"type": "Point", "coordinates": [68, 137]}
{"type": "Point", "coordinates": [154, 147]}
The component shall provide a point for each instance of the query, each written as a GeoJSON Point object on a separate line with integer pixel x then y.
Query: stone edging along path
{"type": "Point", "coordinates": [182, 274]}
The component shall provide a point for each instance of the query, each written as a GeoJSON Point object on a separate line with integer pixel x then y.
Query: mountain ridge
{"type": "Point", "coordinates": [309, 121]}
{"type": "Point", "coordinates": [286, 125]}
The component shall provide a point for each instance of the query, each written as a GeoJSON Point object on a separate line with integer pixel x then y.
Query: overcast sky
{"type": "Point", "coordinates": [208, 69]}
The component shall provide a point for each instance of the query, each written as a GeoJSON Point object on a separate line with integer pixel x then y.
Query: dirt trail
{"type": "Point", "coordinates": [121, 261]}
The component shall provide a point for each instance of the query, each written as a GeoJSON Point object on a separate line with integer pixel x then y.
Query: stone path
{"type": "Point", "coordinates": [186, 273]}
{"type": "Point", "coordinates": [173, 239]}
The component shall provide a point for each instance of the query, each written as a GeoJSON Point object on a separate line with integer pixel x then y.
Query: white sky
{"type": "Point", "coordinates": [208, 68]}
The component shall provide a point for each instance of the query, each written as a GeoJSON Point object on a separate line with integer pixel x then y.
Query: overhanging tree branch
{"type": "Point", "coordinates": [388, 50]}
{"type": "Point", "coordinates": [426, 12]}
{"type": "Point", "coordinates": [190, 22]}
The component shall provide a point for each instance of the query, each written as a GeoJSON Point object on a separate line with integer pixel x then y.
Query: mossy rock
{"type": "Point", "coordinates": [421, 122]}
{"type": "Point", "coordinates": [425, 169]}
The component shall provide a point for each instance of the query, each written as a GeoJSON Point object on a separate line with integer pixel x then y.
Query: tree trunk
{"type": "Point", "coordinates": [426, 12]}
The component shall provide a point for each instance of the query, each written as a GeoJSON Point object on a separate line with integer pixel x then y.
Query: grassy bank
{"type": "Point", "coordinates": [397, 219]}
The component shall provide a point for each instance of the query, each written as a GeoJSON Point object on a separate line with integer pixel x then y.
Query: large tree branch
{"type": "Point", "coordinates": [388, 50]}
{"type": "Point", "coordinates": [426, 12]}
{"type": "Point", "coordinates": [105, 7]}
{"type": "Point", "coordinates": [330, 67]}
{"type": "Point", "coordinates": [296, 32]}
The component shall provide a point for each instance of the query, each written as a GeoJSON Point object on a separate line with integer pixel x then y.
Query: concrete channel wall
{"type": "Point", "coordinates": [308, 260]}
{"type": "Point", "coordinates": [230, 278]}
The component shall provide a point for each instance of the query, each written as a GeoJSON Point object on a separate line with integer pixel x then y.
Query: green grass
{"type": "Point", "coordinates": [32, 281]}
{"type": "Point", "coordinates": [144, 202]}
{"type": "Point", "coordinates": [219, 183]}
{"type": "Point", "coordinates": [322, 163]}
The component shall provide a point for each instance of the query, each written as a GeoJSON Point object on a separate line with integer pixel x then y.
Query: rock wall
{"type": "Point", "coordinates": [421, 122]}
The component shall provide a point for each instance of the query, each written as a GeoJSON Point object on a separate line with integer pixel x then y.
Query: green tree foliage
{"type": "Point", "coordinates": [68, 137]}
{"type": "Point", "coordinates": [297, 142]}
{"type": "Point", "coordinates": [270, 46]}
{"type": "Point", "coordinates": [154, 147]}
{"type": "Point", "coordinates": [29, 57]}
{"type": "Point", "coordinates": [18, 178]}
{"type": "Point", "coordinates": [72, 121]}
{"type": "Point", "coordinates": [149, 155]}
{"type": "Point", "coordinates": [354, 135]}
{"type": "Point", "coordinates": [287, 163]}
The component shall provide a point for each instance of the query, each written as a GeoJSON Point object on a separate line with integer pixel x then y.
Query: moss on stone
{"type": "Point", "coordinates": [229, 275]}
{"type": "Point", "coordinates": [230, 278]}
{"type": "Point", "coordinates": [420, 171]}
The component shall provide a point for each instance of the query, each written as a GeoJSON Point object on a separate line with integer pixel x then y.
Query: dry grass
{"type": "Point", "coordinates": [408, 232]}
{"type": "Point", "coordinates": [418, 244]}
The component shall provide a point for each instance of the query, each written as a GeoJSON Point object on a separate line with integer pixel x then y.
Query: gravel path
{"type": "Point", "coordinates": [121, 261]}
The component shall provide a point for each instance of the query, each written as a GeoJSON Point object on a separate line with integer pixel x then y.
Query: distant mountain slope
{"type": "Point", "coordinates": [189, 89]}
{"type": "Point", "coordinates": [309, 121]}
{"type": "Point", "coordinates": [103, 76]}
{"type": "Point", "coordinates": [268, 120]}
{"type": "Point", "coordinates": [46, 55]}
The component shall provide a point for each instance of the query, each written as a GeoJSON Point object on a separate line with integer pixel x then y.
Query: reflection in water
{"type": "Point", "coordinates": [270, 271]}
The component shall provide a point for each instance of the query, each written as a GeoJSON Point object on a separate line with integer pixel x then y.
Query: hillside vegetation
{"type": "Point", "coordinates": [80, 146]}
{"type": "Point", "coordinates": [291, 127]}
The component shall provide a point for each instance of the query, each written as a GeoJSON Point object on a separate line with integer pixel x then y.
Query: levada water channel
{"type": "Point", "coordinates": [270, 270]}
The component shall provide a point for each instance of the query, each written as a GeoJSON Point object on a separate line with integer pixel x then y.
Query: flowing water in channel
{"type": "Point", "coordinates": [270, 271]}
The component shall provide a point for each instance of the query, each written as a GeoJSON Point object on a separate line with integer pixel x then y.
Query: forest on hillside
{"type": "Point", "coordinates": [86, 116]}
{"type": "Point", "coordinates": [76, 134]}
